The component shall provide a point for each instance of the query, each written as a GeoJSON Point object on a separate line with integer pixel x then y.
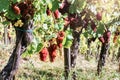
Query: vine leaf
{"type": "Point", "coordinates": [67, 42]}
{"type": "Point", "coordinates": [77, 6]}
{"type": "Point", "coordinates": [39, 47]}
{"type": "Point", "coordinates": [11, 15]}
{"type": "Point", "coordinates": [55, 5]}
{"type": "Point", "coordinates": [4, 5]}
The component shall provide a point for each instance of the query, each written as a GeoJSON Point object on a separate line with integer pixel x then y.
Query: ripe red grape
{"type": "Point", "coordinates": [99, 16]}
{"type": "Point", "coordinates": [93, 26]}
{"type": "Point", "coordinates": [106, 36]}
{"type": "Point", "coordinates": [67, 22]}
{"type": "Point", "coordinates": [101, 39]}
{"type": "Point", "coordinates": [26, 7]}
{"type": "Point", "coordinates": [52, 52]}
{"type": "Point", "coordinates": [43, 54]}
{"type": "Point", "coordinates": [48, 11]}
{"type": "Point", "coordinates": [56, 14]}
{"type": "Point", "coordinates": [60, 38]}
{"type": "Point", "coordinates": [16, 9]}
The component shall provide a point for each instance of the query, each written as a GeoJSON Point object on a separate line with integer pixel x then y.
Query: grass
{"type": "Point", "coordinates": [57, 74]}
{"type": "Point", "coordinates": [34, 69]}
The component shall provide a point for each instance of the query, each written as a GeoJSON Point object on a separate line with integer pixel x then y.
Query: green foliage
{"type": "Point", "coordinates": [68, 39]}
{"type": "Point", "coordinates": [118, 41]}
{"type": "Point", "coordinates": [55, 5]}
{"type": "Point", "coordinates": [77, 6]}
{"type": "Point", "coordinates": [47, 27]}
{"type": "Point", "coordinates": [100, 29]}
{"type": "Point", "coordinates": [4, 5]}
{"type": "Point", "coordinates": [14, 1]}
{"type": "Point", "coordinates": [11, 15]}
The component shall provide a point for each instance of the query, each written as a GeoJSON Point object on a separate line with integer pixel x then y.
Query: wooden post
{"type": "Point", "coordinates": [67, 62]}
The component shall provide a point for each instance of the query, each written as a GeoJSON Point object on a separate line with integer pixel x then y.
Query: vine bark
{"type": "Point", "coordinates": [23, 39]}
{"type": "Point", "coordinates": [101, 62]}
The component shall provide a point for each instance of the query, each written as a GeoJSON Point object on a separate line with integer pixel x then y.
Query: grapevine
{"type": "Point", "coordinates": [47, 27]}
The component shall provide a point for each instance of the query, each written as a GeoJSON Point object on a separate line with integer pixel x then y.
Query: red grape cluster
{"type": "Point", "coordinates": [43, 54]}
{"type": "Point", "coordinates": [24, 8]}
{"type": "Point", "coordinates": [52, 52]}
{"type": "Point", "coordinates": [99, 16]}
{"type": "Point", "coordinates": [60, 38]}
{"type": "Point", "coordinates": [67, 21]}
{"type": "Point", "coordinates": [93, 26]}
{"type": "Point", "coordinates": [64, 8]}
{"type": "Point", "coordinates": [73, 20]}
{"type": "Point", "coordinates": [52, 49]}
{"type": "Point", "coordinates": [16, 9]}
{"type": "Point", "coordinates": [48, 11]}
{"type": "Point", "coordinates": [56, 13]}
{"type": "Point", "coordinates": [106, 37]}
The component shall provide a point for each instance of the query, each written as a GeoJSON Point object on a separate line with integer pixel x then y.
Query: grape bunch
{"type": "Point", "coordinates": [105, 38]}
{"type": "Point", "coordinates": [60, 38]}
{"type": "Point", "coordinates": [24, 8]}
{"type": "Point", "coordinates": [48, 11]}
{"type": "Point", "coordinates": [54, 43]}
{"type": "Point", "coordinates": [99, 16]}
{"type": "Point", "coordinates": [52, 52]}
{"type": "Point", "coordinates": [43, 54]}
{"type": "Point", "coordinates": [16, 9]}
{"type": "Point", "coordinates": [56, 14]}
{"type": "Point", "coordinates": [93, 26]}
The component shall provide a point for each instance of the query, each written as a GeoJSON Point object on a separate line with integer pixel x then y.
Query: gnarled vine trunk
{"type": "Point", "coordinates": [23, 38]}
{"type": "Point", "coordinates": [118, 58]}
{"type": "Point", "coordinates": [75, 51]}
{"type": "Point", "coordinates": [101, 62]}
{"type": "Point", "coordinates": [89, 48]}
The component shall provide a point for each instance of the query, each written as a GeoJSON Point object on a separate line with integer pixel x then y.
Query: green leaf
{"type": "Point", "coordinates": [77, 6]}
{"type": "Point", "coordinates": [82, 4]}
{"type": "Point", "coordinates": [6, 23]}
{"type": "Point", "coordinates": [69, 37]}
{"type": "Point", "coordinates": [14, 1]}
{"type": "Point", "coordinates": [48, 37]}
{"type": "Point", "coordinates": [100, 30]}
{"type": "Point", "coordinates": [59, 26]}
{"type": "Point", "coordinates": [39, 47]}
{"type": "Point", "coordinates": [56, 26]}
{"type": "Point", "coordinates": [4, 5]}
{"type": "Point", "coordinates": [55, 5]}
{"type": "Point", "coordinates": [85, 34]}
{"type": "Point", "coordinates": [67, 42]}
{"type": "Point", "coordinates": [118, 40]}
{"type": "Point", "coordinates": [11, 15]}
